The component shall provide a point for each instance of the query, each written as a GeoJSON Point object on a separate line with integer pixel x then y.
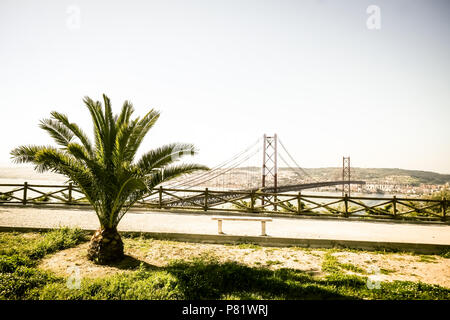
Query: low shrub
{"type": "Point", "coordinates": [11, 263]}
{"type": "Point", "coordinates": [140, 285]}
{"type": "Point", "coordinates": [56, 240]}
{"type": "Point", "coordinates": [18, 284]}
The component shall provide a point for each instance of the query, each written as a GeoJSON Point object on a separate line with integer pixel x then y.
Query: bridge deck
{"type": "Point", "coordinates": [298, 187]}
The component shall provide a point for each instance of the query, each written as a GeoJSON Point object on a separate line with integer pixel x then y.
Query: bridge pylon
{"type": "Point", "coordinates": [270, 165]}
{"type": "Point", "coordinates": [346, 176]}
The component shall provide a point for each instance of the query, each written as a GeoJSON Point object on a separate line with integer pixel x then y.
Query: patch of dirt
{"type": "Point", "coordinates": [62, 263]}
{"type": "Point", "coordinates": [157, 253]}
{"type": "Point", "coordinates": [405, 267]}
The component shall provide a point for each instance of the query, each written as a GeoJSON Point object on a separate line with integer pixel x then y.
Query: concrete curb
{"type": "Point", "coordinates": [420, 248]}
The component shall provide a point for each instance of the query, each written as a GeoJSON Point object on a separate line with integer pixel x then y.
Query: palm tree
{"type": "Point", "coordinates": [106, 171]}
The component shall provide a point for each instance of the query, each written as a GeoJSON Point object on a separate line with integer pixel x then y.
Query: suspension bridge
{"type": "Point", "coordinates": [237, 176]}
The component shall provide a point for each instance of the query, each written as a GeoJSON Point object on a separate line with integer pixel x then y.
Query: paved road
{"type": "Point", "coordinates": [202, 224]}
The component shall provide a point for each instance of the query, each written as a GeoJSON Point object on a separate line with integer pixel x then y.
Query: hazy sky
{"type": "Point", "coordinates": [223, 73]}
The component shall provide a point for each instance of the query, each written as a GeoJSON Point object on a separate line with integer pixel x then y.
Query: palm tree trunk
{"type": "Point", "coordinates": [106, 246]}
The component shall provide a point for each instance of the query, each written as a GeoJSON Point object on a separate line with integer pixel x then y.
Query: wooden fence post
{"type": "Point", "coordinates": [299, 202]}
{"type": "Point", "coordinates": [252, 200]}
{"type": "Point", "coordinates": [444, 208]}
{"type": "Point", "coordinates": [394, 206]}
{"type": "Point", "coordinates": [346, 205]}
{"type": "Point", "coordinates": [25, 189]}
{"type": "Point", "coordinates": [70, 193]}
{"type": "Point", "coordinates": [160, 196]}
{"type": "Point", "coordinates": [205, 207]}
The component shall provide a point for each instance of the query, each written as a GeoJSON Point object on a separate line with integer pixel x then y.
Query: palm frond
{"type": "Point", "coordinates": [25, 154]}
{"type": "Point", "coordinates": [125, 114]}
{"type": "Point", "coordinates": [122, 140]}
{"type": "Point", "coordinates": [139, 132]}
{"type": "Point", "coordinates": [75, 130]}
{"type": "Point", "coordinates": [171, 172]}
{"type": "Point", "coordinates": [163, 156]}
{"type": "Point", "coordinates": [130, 186]}
{"type": "Point", "coordinates": [95, 111]}
{"type": "Point", "coordinates": [58, 132]}
{"type": "Point", "coordinates": [109, 132]}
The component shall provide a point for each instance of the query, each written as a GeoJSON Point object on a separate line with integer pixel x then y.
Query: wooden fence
{"type": "Point", "coordinates": [243, 201]}
{"type": "Point", "coordinates": [41, 194]}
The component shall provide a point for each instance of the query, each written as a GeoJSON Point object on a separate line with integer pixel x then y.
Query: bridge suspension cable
{"type": "Point", "coordinates": [211, 174]}
{"type": "Point", "coordinates": [298, 166]}
{"type": "Point", "coordinates": [289, 167]}
{"type": "Point", "coordinates": [228, 169]}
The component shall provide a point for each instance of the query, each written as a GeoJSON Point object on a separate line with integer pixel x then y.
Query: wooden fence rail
{"type": "Point", "coordinates": [243, 201]}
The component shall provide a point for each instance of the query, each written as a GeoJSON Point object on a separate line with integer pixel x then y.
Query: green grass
{"type": "Point", "coordinates": [273, 262]}
{"type": "Point", "coordinates": [209, 279]}
{"type": "Point", "coordinates": [5, 196]}
{"type": "Point", "coordinates": [36, 246]}
{"type": "Point", "coordinates": [331, 264]}
{"type": "Point", "coordinates": [352, 267]}
{"type": "Point", "coordinates": [386, 271]}
{"type": "Point", "coordinates": [44, 198]}
{"type": "Point", "coordinates": [248, 246]}
{"type": "Point", "coordinates": [198, 278]}
{"type": "Point", "coordinates": [19, 256]}
{"type": "Point", "coordinates": [140, 285]}
{"type": "Point", "coordinates": [428, 259]}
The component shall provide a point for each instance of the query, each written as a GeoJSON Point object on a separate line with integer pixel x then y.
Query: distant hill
{"type": "Point", "coordinates": [414, 177]}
